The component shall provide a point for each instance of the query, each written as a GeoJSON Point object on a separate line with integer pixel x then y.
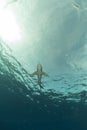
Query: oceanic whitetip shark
{"type": "Point", "coordinates": [39, 74]}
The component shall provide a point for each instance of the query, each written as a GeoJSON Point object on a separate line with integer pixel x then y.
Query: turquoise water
{"type": "Point", "coordinates": [53, 33]}
{"type": "Point", "coordinates": [23, 105]}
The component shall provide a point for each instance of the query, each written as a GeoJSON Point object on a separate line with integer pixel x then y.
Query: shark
{"type": "Point", "coordinates": [39, 73]}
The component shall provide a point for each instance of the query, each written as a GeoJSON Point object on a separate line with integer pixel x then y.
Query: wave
{"type": "Point", "coordinates": [65, 103]}
{"type": "Point", "coordinates": [16, 79]}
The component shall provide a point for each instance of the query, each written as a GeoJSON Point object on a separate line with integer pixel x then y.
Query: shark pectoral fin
{"type": "Point", "coordinates": [45, 74]}
{"type": "Point", "coordinates": [34, 73]}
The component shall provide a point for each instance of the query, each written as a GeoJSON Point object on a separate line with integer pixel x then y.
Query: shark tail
{"type": "Point", "coordinates": [40, 85]}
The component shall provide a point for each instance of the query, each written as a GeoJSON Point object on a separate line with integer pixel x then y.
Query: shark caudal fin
{"type": "Point", "coordinates": [40, 85]}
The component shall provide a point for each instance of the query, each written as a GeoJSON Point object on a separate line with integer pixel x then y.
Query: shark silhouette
{"type": "Point", "coordinates": [39, 74]}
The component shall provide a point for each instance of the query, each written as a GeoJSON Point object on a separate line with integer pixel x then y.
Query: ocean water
{"type": "Point", "coordinates": [24, 106]}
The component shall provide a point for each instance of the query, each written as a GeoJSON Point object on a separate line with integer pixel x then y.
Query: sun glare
{"type": "Point", "coordinates": [9, 29]}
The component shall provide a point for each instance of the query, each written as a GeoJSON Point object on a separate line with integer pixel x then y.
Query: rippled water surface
{"type": "Point", "coordinates": [54, 34]}
{"type": "Point", "coordinates": [23, 105]}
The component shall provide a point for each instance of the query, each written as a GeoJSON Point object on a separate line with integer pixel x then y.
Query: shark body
{"type": "Point", "coordinates": [39, 74]}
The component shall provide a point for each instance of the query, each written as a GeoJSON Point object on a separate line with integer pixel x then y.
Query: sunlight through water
{"type": "Point", "coordinates": [9, 28]}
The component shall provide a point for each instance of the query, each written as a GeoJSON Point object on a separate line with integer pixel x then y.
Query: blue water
{"type": "Point", "coordinates": [18, 112]}
{"type": "Point", "coordinates": [23, 106]}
